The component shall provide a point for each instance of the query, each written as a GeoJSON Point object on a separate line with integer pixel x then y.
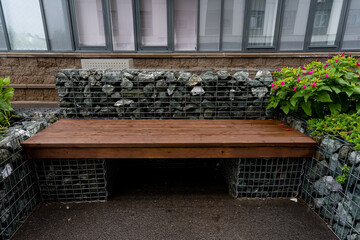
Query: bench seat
{"type": "Point", "coordinates": [154, 138]}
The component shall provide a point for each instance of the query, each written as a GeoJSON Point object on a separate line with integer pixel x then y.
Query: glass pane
{"type": "Point", "coordinates": [90, 22]}
{"type": "Point", "coordinates": [352, 30]}
{"type": "Point", "coordinates": [57, 23]}
{"type": "Point", "coordinates": [209, 27]}
{"type": "Point", "coordinates": [122, 25]}
{"type": "Point", "coordinates": [294, 24]}
{"type": "Point", "coordinates": [262, 22]}
{"type": "Point", "coordinates": [153, 16]}
{"type": "Point", "coordinates": [326, 22]}
{"type": "Point", "coordinates": [2, 37]}
{"type": "Point", "coordinates": [24, 24]}
{"type": "Point", "coordinates": [185, 25]}
{"type": "Point", "coordinates": [233, 24]}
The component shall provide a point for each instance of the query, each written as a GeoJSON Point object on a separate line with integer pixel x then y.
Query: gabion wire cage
{"type": "Point", "coordinates": [264, 177]}
{"type": "Point", "coordinates": [162, 94]}
{"type": "Point", "coordinates": [71, 180]}
{"type": "Point", "coordinates": [18, 190]}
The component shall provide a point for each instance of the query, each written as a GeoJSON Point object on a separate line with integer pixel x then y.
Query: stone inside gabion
{"type": "Point", "coordinates": [163, 94]}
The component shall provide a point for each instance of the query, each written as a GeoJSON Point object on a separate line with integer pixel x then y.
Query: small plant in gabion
{"type": "Point", "coordinates": [341, 179]}
{"type": "Point", "coordinates": [318, 89]}
{"type": "Point", "coordinates": [6, 93]}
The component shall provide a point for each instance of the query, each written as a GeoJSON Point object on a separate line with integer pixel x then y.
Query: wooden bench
{"type": "Point", "coordinates": [104, 138]}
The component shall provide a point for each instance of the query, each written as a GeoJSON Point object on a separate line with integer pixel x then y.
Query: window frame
{"type": "Point", "coordinates": [170, 30]}
{"type": "Point", "coordinates": [7, 41]}
{"type": "Point", "coordinates": [107, 29]}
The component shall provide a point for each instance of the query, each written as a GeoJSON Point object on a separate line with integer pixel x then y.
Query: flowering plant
{"type": "Point", "coordinates": [318, 89]}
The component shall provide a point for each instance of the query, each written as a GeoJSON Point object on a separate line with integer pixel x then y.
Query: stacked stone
{"type": "Point", "coordinates": [163, 94]}
{"type": "Point", "coordinates": [339, 203]}
{"type": "Point", "coordinates": [72, 180]}
{"type": "Point", "coordinates": [18, 191]}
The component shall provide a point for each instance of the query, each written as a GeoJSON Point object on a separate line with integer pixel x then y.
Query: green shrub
{"type": "Point", "coordinates": [6, 93]}
{"type": "Point", "coordinates": [318, 89]}
{"type": "Point", "coordinates": [344, 125]}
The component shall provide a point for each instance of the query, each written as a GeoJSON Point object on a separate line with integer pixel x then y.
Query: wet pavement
{"type": "Point", "coordinates": [174, 204]}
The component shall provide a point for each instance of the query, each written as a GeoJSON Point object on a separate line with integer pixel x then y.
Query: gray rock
{"type": "Point", "coordinates": [352, 203]}
{"type": "Point", "coordinates": [146, 77]}
{"type": "Point", "coordinates": [128, 75]}
{"type": "Point", "coordinates": [241, 77]}
{"type": "Point", "coordinates": [88, 102]}
{"type": "Point", "coordinates": [111, 77]}
{"type": "Point", "coordinates": [330, 146]}
{"type": "Point", "coordinates": [335, 165]}
{"type": "Point", "coordinates": [84, 74]}
{"type": "Point", "coordinates": [149, 89]}
{"type": "Point", "coordinates": [170, 77]}
{"type": "Point", "coordinates": [325, 185]}
{"type": "Point", "coordinates": [123, 102]}
{"type": "Point", "coordinates": [133, 93]}
{"type": "Point", "coordinates": [344, 151]}
{"type": "Point", "coordinates": [87, 91]}
{"type": "Point", "coordinates": [223, 74]}
{"type": "Point", "coordinates": [161, 85]}
{"type": "Point", "coordinates": [197, 90]}
{"type": "Point", "coordinates": [254, 83]}
{"type": "Point", "coordinates": [170, 89]}
{"type": "Point", "coordinates": [177, 95]}
{"type": "Point", "coordinates": [194, 80]}
{"type": "Point", "coordinates": [207, 104]}
{"type": "Point", "coordinates": [184, 76]}
{"type": "Point", "coordinates": [63, 91]}
{"type": "Point", "coordinates": [108, 89]}
{"type": "Point", "coordinates": [159, 75]}
{"type": "Point", "coordinates": [208, 113]}
{"type": "Point", "coordinates": [209, 77]}
{"type": "Point", "coordinates": [259, 92]}
{"type": "Point", "coordinates": [189, 107]}
{"type": "Point", "coordinates": [342, 216]}
{"type": "Point", "coordinates": [341, 231]}
{"type": "Point", "coordinates": [262, 74]}
{"type": "Point", "coordinates": [127, 84]}
{"type": "Point", "coordinates": [354, 158]}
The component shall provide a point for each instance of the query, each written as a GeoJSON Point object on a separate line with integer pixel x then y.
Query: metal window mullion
{"type": "Point", "coordinates": [279, 23]}
{"type": "Point", "coordinates": [107, 25]}
{"type": "Point", "coordinates": [221, 23]}
{"type": "Point", "coordinates": [343, 21]}
{"type": "Point", "coordinates": [309, 28]}
{"type": "Point", "coordinates": [70, 25]}
{"type": "Point", "coordinates": [135, 26]}
{"type": "Point", "coordinates": [48, 45]}
{"type": "Point", "coordinates": [170, 24]}
{"type": "Point", "coordinates": [246, 25]}
{"type": "Point", "coordinates": [7, 40]}
{"type": "Point", "coordinates": [198, 27]}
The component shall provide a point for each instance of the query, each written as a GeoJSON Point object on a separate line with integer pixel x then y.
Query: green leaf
{"type": "Point", "coordinates": [293, 101]}
{"type": "Point", "coordinates": [325, 88]}
{"type": "Point", "coordinates": [358, 107]}
{"type": "Point", "coordinates": [281, 94]}
{"type": "Point", "coordinates": [323, 97]}
{"type": "Point", "coordinates": [335, 108]}
{"type": "Point", "coordinates": [307, 95]}
{"type": "Point", "coordinates": [6, 81]}
{"type": "Point", "coordinates": [356, 90]}
{"type": "Point", "coordinates": [286, 108]}
{"type": "Point", "coordinates": [298, 94]}
{"type": "Point", "coordinates": [4, 105]}
{"type": "Point", "coordinates": [349, 91]}
{"type": "Point", "coordinates": [306, 106]}
{"type": "Point", "coordinates": [341, 82]}
{"type": "Point", "coordinates": [336, 89]}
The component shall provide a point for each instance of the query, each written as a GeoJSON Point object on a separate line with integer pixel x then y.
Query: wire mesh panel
{"type": "Point", "coordinates": [264, 177]}
{"type": "Point", "coordinates": [157, 94]}
{"type": "Point", "coordinates": [18, 190]}
{"type": "Point", "coordinates": [72, 179]}
{"type": "Point", "coordinates": [332, 186]}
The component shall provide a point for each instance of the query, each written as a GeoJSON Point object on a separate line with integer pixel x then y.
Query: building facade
{"type": "Point", "coordinates": [40, 36]}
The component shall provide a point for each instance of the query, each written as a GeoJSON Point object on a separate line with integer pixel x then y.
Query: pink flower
{"type": "Point", "coordinates": [282, 123]}
{"type": "Point", "coordinates": [272, 85]}
{"type": "Point", "coordinates": [320, 77]}
{"type": "Point", "coordinates": [358, 64]}
{"type": "Point", "coordinates": [311, 72]}
{"type": "Point", "coordinates": [279, 69]}
{"type": "Point", "coordinates": [325, 65]}
{"type": "Point", "coordinates": [359, 77]}
{"type": "Point", "coordinates": [282, 83]}
{"type": "Point", "coordinates": [304, 73]}
{"type": "Point", "coordinates": [336, 60]}
{"type": "Point", "coordinates": [313, 85]}
{"type": "Point", "coordinates": [288, 129]}
{"type": "Point", "coordinates": [294, 88]}
{"type": "Point", "coordinates": [304, 86]}
{"type": "Point", "coordinates": [274, 88]}
{"type": "Point", "coordinates": [326, 75]}
{"type": "Point", "coordinates": [303, 68]}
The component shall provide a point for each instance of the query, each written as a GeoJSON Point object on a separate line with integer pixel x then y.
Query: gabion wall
{"type": "Point", "coordinates": [264, 177]}
{"type": "Point", "coordinates": [337, 204]}
{"type": "Point", "coordinates": [163, 94]}
{"type": "Point", "coordinates": [18, 187]}
{"type": "Point", "coordinates": [72, 179]}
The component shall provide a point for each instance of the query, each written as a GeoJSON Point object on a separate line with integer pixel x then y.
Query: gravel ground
{"type": "Point", "coordinates": [175, 204]}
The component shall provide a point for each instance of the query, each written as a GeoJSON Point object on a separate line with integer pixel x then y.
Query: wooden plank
{"type": "Point", "coordinates": [99, 138]}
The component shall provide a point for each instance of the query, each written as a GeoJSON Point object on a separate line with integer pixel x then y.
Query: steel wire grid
{"type": "Point", "coordinates": [264, 177]}
{"type": "Point", "coordinates": [160, 98]}
{"type": "Point", "coordinates": [18, 190]}
{"type": "Point", "coordinates": [72, 180]}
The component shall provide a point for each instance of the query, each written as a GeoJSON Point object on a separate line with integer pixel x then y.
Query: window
{"type": "Point", "coordinates": [233, 21]}
{"type": "Point", "coordinates": [89, 23]}
{"type": "Point", "coordinates": [185, 20]}
{"type": "Point", "coordinates": [326, 22]}
{"type": "Point", "coordinates": [263, 15]}
{"type": "Point", "coordinates": [122, 25]}
{"type": "Point", "coordinates": [2, 37]}
{"type": "Point", "coordinates": [24, 24]}
{"type": "Point", "coordinates": [59, 27]}
{"type": "Point", "coordinates": [209, 25]}
{"type": "Point", "coordinates": [153, 23]}
{"type": "Point", "coordinates": [352, 31]}
{"type": "Point", "coordinates": [294, 24]}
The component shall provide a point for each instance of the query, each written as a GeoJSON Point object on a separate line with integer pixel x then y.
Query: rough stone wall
{"type": "Point", "coordinates": [163, 94]}
{"type": "Point", "coordinates": [33, 77]}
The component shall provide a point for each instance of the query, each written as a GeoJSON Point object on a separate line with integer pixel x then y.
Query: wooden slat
{"type": "Point", "coordinates": [98, 138]}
